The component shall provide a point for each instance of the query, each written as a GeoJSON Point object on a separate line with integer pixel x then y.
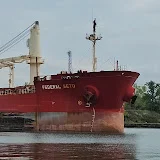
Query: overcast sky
{"type": "Point", "coordinates": [130, 31]}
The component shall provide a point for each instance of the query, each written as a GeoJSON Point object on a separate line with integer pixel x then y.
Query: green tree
{"type": "Point", "coordinates": [152, 96]}
{"type": "Point", "coordinates": [139, 103]}
{"type": "Point", "coordinates": [140, 92]}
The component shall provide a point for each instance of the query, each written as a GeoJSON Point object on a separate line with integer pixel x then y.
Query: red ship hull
{"type": "Point", "coordinates": [79, 102]}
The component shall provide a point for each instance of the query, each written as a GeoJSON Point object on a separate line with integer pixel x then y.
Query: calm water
{"type": "Point", "coordinates": [143, 144]}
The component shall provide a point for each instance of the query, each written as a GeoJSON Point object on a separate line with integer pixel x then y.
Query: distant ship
{"type": "Point", "coordinates": [75, 102]}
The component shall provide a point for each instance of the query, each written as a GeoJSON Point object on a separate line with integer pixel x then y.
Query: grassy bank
{"type": "Point", "coordinates": [141, 116]}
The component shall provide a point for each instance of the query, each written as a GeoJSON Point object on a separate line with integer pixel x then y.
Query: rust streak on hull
{"type": "Point", "coordinates": [81, 122]}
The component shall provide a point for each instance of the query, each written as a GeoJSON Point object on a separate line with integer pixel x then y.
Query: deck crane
{"type": "Point", "coordinates": [33, 58]}
{"type": "Point", "coordinates": [9, 62]}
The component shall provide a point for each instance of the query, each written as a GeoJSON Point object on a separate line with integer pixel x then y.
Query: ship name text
{"type": "Point", "coordinates": [69, 86]}
{"type": "Point", "coordinates": [57, 86]}
{"type": "Point", "coordinates": [52, 86]}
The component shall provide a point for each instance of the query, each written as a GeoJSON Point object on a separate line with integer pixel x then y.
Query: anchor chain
{"type": "Point", "coordinates": [93, 119]}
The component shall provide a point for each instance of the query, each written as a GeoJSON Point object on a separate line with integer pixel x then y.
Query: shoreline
{"type": "Point", "coordinates": [127, 125]}
{"type": "Point", "coordinates": [142, 125]}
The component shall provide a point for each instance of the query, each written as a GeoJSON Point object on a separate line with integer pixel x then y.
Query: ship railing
{"type": "Point", "coordinates": [18, 90]}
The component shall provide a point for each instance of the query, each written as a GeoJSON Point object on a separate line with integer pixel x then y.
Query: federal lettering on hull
{"type": "Point", "coordinates": [57, 86]}
{"type": "Point", "coordinates": [53, 86]}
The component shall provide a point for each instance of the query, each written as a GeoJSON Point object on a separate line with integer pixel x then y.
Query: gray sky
{"type": "Point", "coordinates": [130, 31]}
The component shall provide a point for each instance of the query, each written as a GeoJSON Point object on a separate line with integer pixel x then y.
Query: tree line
{"type": "Point", "coordinates": [148, 97]}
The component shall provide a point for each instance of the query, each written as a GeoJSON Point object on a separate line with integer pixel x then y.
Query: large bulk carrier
{"type": "Point", "coordinates": [76, 102]}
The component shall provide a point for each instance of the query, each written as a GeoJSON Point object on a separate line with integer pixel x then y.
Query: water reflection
{"type": "Point", "coordinates": [48, 151]}
{"type": "Point", "coordinates": [135, 144]}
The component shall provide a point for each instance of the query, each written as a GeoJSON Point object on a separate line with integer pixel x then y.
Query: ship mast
{"type": "Point", "coordinates": [93, 37]}
{"type": "Point", "coordinates": [69, 61]}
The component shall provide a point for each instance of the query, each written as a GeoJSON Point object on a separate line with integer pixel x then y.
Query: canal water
{"type": "Point", "coordinates": [135, 144]}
